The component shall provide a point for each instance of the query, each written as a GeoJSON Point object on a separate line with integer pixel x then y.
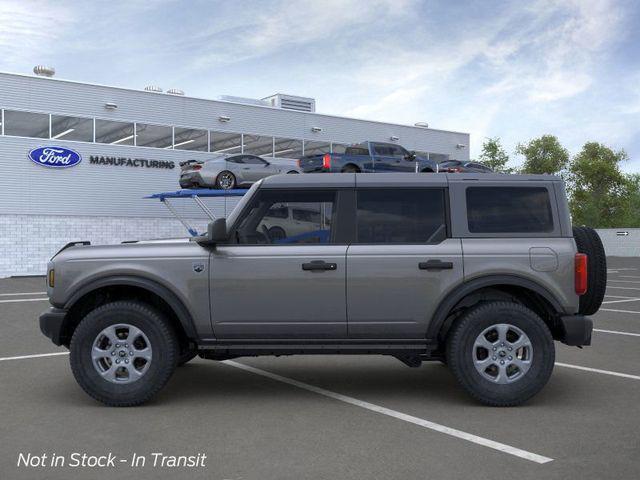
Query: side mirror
{"type": "Point", "coordinates": [216, 233]}
{"type": "Point", "coordinates": [410, 156]}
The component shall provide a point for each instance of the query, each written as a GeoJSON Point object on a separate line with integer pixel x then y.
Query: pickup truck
{"type": "Point", "coordinates": [368, 157]}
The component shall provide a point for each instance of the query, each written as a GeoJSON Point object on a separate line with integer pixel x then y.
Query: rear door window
{"type": "Point", "coordinates": [415, 216]}
{"type": "Point", "coordinates": [509, 210]}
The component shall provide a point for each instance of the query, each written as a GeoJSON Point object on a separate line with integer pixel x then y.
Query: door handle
{"type": "Point", "coordinates": [435, 265]}
{"type": "Point", "coordinates": [319, 266]}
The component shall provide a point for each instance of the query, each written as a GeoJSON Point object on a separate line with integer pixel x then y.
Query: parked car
{"type": "Point", "coordinates": [368, 157]}
{"type": "Point", "coordinates": [229, 171]}
{"type": "Point", "coordinates": [482, 272]}
{"type": "Point", "coordinates": [286, 224]}
{"type": "Point", "coordinates": [460, 166]}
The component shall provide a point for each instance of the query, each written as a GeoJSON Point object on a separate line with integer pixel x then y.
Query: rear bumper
{"type": "Point", "coordinates": [51, 324]}
{"type": "Point", "coordinates": [575, 330]}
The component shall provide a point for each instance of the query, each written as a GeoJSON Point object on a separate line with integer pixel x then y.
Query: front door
{"type": "Point", "coordinates": [401, 263]}
{"type": "Point", "coordinates": [281, 278]}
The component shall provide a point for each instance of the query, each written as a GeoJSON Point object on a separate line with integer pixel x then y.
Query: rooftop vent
{"type": "Point", "coordinates": [43, 71]}
{"type": "Point", "coordinates": [153, 88]}
{"type": "Point", "coordinates": [291, 102]}
{"type": "Point", "coordinates": [244, 100]}
{"type": "Point", "coordinates": [422, 124]}
{"type": "Point", "coordinates": [175, 91]}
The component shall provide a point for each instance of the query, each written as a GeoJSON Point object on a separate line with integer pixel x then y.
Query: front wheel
{"type": "Point", "coordinates": [502, 353]}
{"type": "Point", "coordinates": [123, 353]}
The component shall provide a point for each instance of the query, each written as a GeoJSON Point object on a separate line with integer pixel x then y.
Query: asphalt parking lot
{"type": "Point", "coordinates": [337, 417]}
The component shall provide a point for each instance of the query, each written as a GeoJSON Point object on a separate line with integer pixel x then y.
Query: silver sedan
{"type": "Point", "coordinates": [229, 171]}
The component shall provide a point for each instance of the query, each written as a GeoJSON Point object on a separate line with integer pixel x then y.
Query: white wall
{"type": "Point", "coordinates": [616, 245]}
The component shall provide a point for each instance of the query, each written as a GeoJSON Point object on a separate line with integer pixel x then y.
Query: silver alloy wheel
{"type": "Point", "coordinates": [121, 353]}
{"type": "Point", "coordinates": [225, 180]}
{"type": "Point", "coordinates": [502, 353]}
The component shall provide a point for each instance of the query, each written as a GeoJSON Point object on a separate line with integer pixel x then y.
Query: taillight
{"type": "Point", "coordinates": [581, 273]}
{"type": "Point", "coordinates": [453, 170]}
{"type": "Point", "coordinates": [298, 163]}
{"type": "Point", "coordinates": [196, 167]}
{"type": "Point", "coordinates": [326, 161]}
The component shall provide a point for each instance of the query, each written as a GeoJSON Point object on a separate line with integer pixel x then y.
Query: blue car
{"type": "Point", "coordinates": [368, 157]}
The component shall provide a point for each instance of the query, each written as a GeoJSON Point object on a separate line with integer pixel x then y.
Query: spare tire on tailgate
{"type": "Point", "coordinates": [588, 241]}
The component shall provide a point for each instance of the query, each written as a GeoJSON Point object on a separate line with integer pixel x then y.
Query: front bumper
{"type": "Point", "coordinates": [575, 330]}
{"type": "Point", "coordinates": [52, 323]}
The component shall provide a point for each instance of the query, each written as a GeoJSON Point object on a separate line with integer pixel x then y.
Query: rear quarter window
{"type": "Point", "coordinates": [509, 210]}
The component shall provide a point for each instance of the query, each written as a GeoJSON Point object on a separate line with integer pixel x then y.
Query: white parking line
{"type": "Point", "coordinates": [25, 300]}
{"type": "Point", "coordinates": [623, 281]}
{"type": "Point", "coordinates": [23, 357]}
{"type": "Point", "coordinates": [617, 332]}
{"type": "Point", "coordinates": [622, 288]}
{"type": "Point", "coordinates": [597, 370]}
{"type": "Point", "coordinates": [485, 442]}
{"type": "Point", "coordinates": [618, 311]}
{"type": "Point", "coordinates": [630, 299]}
{"type": "Point", "coordinates": [629, 276]}
{"type": "Point", "coordinates": [24, 293]}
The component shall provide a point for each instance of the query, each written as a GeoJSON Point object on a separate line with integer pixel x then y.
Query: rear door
{"type": "Point", "coordinates": [402, 263]}
{"type": "Point", "coordinates": [279, 279]}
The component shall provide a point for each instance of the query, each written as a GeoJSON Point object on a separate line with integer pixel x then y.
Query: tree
{"type": "Point", "coordinates": [494, 156]}
{"type": "Point", "coordinates": [543, 155]}
{"type": "Point", "coordinates": [601, 195]}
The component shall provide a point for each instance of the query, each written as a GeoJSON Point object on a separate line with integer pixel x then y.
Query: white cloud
{"type": "Point", "coordinates": [29, 30]}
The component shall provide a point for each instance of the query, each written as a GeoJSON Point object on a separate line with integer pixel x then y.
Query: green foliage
{"type": "Point", "coordinates": [494, 156]}
{"type": "Point", "coordinates": [543, 155]}
{"type": "Point", "coordinates": [601, 195]}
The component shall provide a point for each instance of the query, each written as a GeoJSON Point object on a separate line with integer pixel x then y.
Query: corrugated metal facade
{"type": "Point", "coordinates": [89, 189]}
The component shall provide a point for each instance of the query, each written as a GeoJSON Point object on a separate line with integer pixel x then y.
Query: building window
{"type": "Point", "coordinates": [287, 148]}
{"type": "Point", "coordinates": [26, 124]}
{"type": "Point", "coordinates": [316, 148]}
{"type": "Point", "coordinates": [257, 145]}
{"type": "Point", "coordinates": [226, 143]}
{"type": "Point", "coordinates": [157, 136]}
{"type": "Point", "coordinates": [190, 139]}
{"type": "Point", "coordinates": [71, 128]}
{"type": "Point", "coordinates": [115, 133]}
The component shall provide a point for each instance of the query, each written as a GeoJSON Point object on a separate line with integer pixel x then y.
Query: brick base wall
{"type": "Point", "coordinates": [27, 242]}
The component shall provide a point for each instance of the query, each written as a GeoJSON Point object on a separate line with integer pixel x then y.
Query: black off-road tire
{"type": "Point", "coordinates": [459, 353]}
{"type": "Point", "coordinates": [186, 356]}
{"type": "Point", "coordinates": [588, 241]}
{"type": "Point", "coordinates": [164, 347]}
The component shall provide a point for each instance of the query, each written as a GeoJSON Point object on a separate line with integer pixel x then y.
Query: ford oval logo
{"type": "Point", "coordinates": [55, 157]}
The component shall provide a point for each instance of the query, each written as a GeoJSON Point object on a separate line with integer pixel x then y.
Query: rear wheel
{"type": "Point", "coordinates": [588, 242]}
{"type": "Point", "coordinates": [502, 353]}
{"type": "Point", "coordinates": [225, 180]}
{"type": "Point", "coordinates": [123, 353]}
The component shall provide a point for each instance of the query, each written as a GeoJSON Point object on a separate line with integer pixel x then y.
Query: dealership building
{"type": "Point", "coordinates": [127, 144]}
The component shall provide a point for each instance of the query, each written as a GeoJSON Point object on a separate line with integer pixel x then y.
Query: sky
{"type": "Point", "coordinates": [514, 70]}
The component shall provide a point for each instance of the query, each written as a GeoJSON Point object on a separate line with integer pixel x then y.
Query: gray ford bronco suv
{"type": "Point", "coordinates": [479, 271]}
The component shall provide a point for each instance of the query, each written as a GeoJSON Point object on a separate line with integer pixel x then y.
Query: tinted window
{"type": "Point", "coordinates": [72, 128]}
{"type": "Point", "coordinates": [401, 216]}
{"type": "Point", "coordinates": [267, 221]}
{"type": "Point", "coordinates": [26, 124]}
{"type": "Point", "coordinates": [258, 145]}
{"type": "Point", "coordinates": [190, 139]}
{"type": "Point", "coordinates": [115, 133]}
{"type": "Point", "coordinates": [228, 143]}
{"type": "Point", "coordinates": [238, 159]}
{"type": "Point", "coordinates": [509, 210]}
{"type": "Point", "coordinates": [357, 151]}
{"type": "Point", "coordinates": [157, 136]}
{"type": "Point", "coordinates": [250, 159]}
